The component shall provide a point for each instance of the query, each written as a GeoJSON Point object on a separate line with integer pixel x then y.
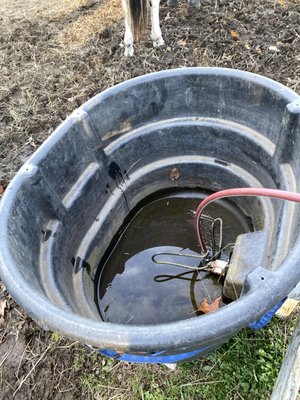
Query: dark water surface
{"type": "Point", "coordinates": [135, 288]}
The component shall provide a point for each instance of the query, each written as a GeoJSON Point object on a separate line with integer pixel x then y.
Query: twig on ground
{"type": "Point", "coordinates": [32, 369]}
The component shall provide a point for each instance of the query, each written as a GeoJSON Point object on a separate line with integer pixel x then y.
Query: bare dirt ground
{"type": "Point", "coordinates": [55, 55]}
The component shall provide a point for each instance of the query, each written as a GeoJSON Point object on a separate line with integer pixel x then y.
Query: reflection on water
{"type": "Point", "coordinates": [136, 288]}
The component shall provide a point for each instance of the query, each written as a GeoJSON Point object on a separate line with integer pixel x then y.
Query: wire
{"type": "Point", "coordinates": [254, 192]}
{"type": "Point", "coordinates": [165, 278]}
{"type": "Point", "coordinates": [196, 256]}
{"type": "Point", "coordinates": [214, 257]}
{"type": "Point", "coordinates": [220, 234]}
{"type": "Point", "coordinates": [175, 263]}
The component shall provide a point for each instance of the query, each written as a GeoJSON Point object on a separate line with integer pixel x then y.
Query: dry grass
{"type": "Point", "coordinates": [91, 25]}
{"type": "Point", "coordinates": [54, 55]}
{"type": "Point", "coordinates": [36, 9]}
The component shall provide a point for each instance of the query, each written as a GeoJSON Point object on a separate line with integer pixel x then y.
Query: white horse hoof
{"type": "Point", "coordinates": [129, 50]}
{"type": "Point", "coordinates": [158, 42]}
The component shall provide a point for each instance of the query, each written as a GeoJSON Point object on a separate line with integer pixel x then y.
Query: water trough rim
{"type": "Point", "coordinates": [164, 336]}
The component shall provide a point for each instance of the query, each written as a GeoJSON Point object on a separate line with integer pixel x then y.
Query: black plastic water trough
{"type": "Point", "coordinates": [220, 128]}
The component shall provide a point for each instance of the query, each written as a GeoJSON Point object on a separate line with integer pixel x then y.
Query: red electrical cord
{"type": "Point", "coordinates": [257, 192]}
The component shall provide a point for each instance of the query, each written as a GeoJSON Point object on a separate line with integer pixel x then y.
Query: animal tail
{"type": "Point", "coordinates": [138, 14]}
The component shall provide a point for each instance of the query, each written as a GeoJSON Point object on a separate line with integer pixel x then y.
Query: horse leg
{"type": "Point", "coordinates": [155, 27]}
{"type": "Point", "coordinates": [128, 37]}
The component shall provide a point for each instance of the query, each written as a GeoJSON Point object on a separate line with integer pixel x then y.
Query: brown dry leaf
{"type": "Point", "coordinates": [1, 189]}
{"type": "Point", "coordinates": [281, 2]}
{"type": "Point", "coordinates": [207, 308]}
{"type": "Point", "coordinates": [234, 34]}
{"type": "Point", "coordinates": [174, 174]}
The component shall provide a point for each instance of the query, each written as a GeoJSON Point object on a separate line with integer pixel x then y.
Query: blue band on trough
{"type": "Point", "coordinates": [265, 319]}
{"type": "Point", "coordinates": [156, 358]}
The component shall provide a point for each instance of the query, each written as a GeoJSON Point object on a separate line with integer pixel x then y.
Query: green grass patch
{"type": "Point", "coordinates": [244, 368]}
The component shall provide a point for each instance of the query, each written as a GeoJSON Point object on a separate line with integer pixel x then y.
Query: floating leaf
{"type": "Point", "coordinates": [207, 308]}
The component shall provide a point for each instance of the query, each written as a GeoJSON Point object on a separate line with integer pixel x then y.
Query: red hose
{"type": "Point", "coordinates": [257, 192]}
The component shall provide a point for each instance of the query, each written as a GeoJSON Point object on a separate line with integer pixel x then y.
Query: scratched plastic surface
{"type": "Point", "coordinates": [134, 288]}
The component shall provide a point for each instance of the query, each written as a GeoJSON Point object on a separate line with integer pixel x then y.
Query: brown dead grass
{"type": "Point", "coordinates": [40, 9]}
{"type": "Point", "coordinates": [56, 54]}
{"type": "Point", "coordinates": [91, 25]}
